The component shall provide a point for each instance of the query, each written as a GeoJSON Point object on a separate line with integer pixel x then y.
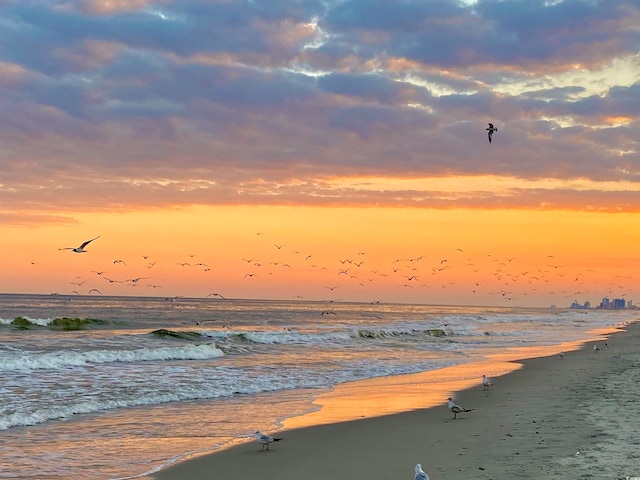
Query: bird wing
{"type": "Point", "coordinates": [88, 242]}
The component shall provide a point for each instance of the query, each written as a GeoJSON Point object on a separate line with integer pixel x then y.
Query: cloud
{"type": "Point", "coordinates": [192, 101]}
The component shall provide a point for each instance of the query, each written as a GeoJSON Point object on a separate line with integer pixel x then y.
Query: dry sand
{"type": "Point", "coordinates": [576, 418]}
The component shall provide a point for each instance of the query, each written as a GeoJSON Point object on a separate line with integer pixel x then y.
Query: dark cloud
{"type": "Point", "coordinates": [370, 87]}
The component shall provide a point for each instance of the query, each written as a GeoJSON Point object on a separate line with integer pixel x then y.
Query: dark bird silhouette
{"type": "Point", "coordinates": [490, 130]}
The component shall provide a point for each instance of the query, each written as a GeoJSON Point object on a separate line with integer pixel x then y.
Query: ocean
{"type": "Point", "coordinates": [97, 387]}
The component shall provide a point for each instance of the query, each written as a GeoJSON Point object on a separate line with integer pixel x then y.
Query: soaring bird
{"type": "Point", "coordinates": [456, 409]}
{"type": "Point", "coordinates": [265, 440]}
{"type": "Point", "coordinates": [420, 474]}
{"type": "Point", "coordinates": [80, 249]}
{"type": "Point", "coordinates": [491, 129]}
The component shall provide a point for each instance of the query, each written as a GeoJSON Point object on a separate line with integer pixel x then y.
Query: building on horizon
{"type": "Point", "coordinates": [615, 304]}
{"type": "Point", "coordinates": [576, 305]}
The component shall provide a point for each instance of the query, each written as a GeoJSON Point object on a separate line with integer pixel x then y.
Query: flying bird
{"type": "Point", "coordinates": [491, 129]}
{"type": "Point", "coordinates": [420, 474]}
{"type": "Point", "coordinates": [80, 249]}
{"type": "Point", "coordinates": [456, 409]}
{"type": "Point", "coordinates": [216, 295]}
{"type": "Point", "coordinates": [265, 440]}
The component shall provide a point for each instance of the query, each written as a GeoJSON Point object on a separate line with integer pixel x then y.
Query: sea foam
{"type": "Point", "coordinates": [66, 359]}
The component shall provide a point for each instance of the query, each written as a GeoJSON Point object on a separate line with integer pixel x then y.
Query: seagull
{"type": "Point", "coordinates": [136, 280]}
{"type": "Point", "coordinates": [486, 382]}
{"type": "Point", "coordinates": [596, 348]}
{"type": "Point", "coordinates": [265, 440]}
{"type": "Point", "coordinates": [491, 129]}
{"type": "Point", "coordinates": [420, 474]}
{"type": "Point", "coordinates": [216, 295]}
{"type": "Point", "coordinates": [80, 249]}
{"type": "Point", "coordinates": [456, 409]}
{"type": "Point", "coordinates": [561, 355]}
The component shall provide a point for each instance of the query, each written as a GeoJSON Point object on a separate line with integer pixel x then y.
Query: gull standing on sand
{"type": "Point", "coordinates": [265, 440]}
{"type": "Point", "coordinates": [456, 409]}
{"type": "Point", "coordinates": [80, 249]}
{"type": "Point", "coordinates": [486, 382]}
{"type": "Point", "coordinates": [490, 130]}
{"type": "Point", "coordinates": [420, 474]}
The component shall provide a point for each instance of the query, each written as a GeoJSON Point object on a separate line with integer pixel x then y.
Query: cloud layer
{"type": "Point", "coordinates": [135, 103]}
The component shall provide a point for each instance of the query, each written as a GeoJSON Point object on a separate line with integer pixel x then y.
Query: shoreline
{"type": "Point", "coordinates": [526, 419]}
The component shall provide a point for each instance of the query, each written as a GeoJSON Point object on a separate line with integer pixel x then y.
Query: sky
{"type": "Point", "coordinates": [322, 149]}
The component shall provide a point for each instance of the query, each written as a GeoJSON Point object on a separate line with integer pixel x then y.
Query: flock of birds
{"type": "Point", "coordinates": [505, 278]}
{"type": "Point", "coordinates": [81, 249]}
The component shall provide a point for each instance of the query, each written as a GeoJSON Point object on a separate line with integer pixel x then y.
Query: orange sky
{"type": "Point", "coordinates": [527, 258]}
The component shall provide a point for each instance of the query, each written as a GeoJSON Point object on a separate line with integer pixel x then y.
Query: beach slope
{"type": "Point", "coordinates": [574, 417]}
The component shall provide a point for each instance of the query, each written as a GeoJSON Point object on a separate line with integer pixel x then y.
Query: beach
{"type": "Point", "coordinates": [551, 417]}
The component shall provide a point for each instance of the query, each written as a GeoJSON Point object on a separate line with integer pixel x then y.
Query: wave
{"type": "Point", "coordinates": [169, 391]}
{"type": "Point", "coordinates": [66, 359]}
{"type": "Point", "coordinates": [164, 333]}
{"type": "Point", "coordinates": [340, 336]}
{"type": "Point", "coordinates": [62, 323]}
{"type": "Point", "coordinates": [66, 410]}
{"type": "Point", "coordinates": [430, 332]}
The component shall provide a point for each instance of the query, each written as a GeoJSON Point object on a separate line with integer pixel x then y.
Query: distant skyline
{"type": "Point", "coordinates": [266, 144]}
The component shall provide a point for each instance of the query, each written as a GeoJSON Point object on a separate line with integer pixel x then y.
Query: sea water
{"type": "Point", "coordinates": [140, 383]}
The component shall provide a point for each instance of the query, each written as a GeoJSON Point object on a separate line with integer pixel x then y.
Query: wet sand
{"type": "Point", "coordinates": [553, 418]}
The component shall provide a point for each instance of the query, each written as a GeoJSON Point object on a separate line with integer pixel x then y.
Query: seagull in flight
{"type": "Point", "coordinates": [491, 129]}
{"type": "Point", "coordinates": [456, 409]}
{"type": "Point", "coordinates": [420, 474]}
{"type": "Point", "coordinates": [265, 440]}
{"type": "Point", "coordinates": [216, 295]}
{"type": "Point", "coordinates": [80, 249]}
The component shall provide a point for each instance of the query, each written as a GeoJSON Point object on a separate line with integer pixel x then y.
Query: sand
{"type": "Point", "coordinates": [572, 418]}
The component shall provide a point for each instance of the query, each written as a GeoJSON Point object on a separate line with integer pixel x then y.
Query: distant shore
{"type": "Point", "coordinates": [554, 418]}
